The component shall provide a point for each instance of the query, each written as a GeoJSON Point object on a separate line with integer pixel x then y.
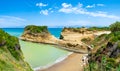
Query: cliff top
{"type": "Point", "coordinates": [83, 29]}
{"type": "Point", "coordinates": [36, 29]}
{"type": "Point", "coordinates": [11, 42]}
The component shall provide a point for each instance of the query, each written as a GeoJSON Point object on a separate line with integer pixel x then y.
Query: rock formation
{"type": "Point", "coordinates": [70, 38]}
{"type": "Point", "coordinates": [38, 34]}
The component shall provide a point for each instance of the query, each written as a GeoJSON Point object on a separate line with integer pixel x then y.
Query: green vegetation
{"type": "Point", "coordinates": [86, 40]}
{"type": "Point", "coordinates": [106, 53]}
{"type": "Point", "coordinates": [11, 57]}
{"type": "Point", "coordinates": [12, 43]}
{"type": "Point", "coordinates": [106, 64]}
{"type": "Point", "coordinates": [36, 29]}
{"type": "Point", "coordinates": [79, 30]}
{"type": "Point", "coordinates": [84, 29]}
{"type": "Point", "coordinates": [71, 29]}
{"type": "Point", "coordinates": [115, 27]}
{"type": "Point", "coordinates": [98, 29]}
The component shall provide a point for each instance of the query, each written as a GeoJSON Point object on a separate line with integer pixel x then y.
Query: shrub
{"type": "Point", "coordinates": [11, 43]}
{"type": "Point", "coordinates": [98, 28]}
{"type": "Point", "coordinates": [115, 27]}
{"type": "Point", "coordinates": [118, 68]}
{"type": "Point", "coordinates": [36, 29]}
{"type": "Point", "coordinates": [86, 40]}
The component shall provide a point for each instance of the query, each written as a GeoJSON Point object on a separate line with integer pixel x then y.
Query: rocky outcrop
{"type": "Point", "coordinates": [106, 52]}
{"type": "Point", "coordinates": [11, 57]}
{"type": "Point", "coordinates": [106, 58]}
{"type": "Point", "coordinates": [110, 51]}
{"type": "Point", "coordinates": [41, 35]}
{"type": "Point", "coordinates": [115, 50]}
{"type": "Point", "coordinates": [70, 38]}
{"type": "Point", "coordinates": [74, 36]}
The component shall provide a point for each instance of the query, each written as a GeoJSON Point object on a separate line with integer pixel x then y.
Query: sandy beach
{"type": "Point", "coordinates": [72, 63]}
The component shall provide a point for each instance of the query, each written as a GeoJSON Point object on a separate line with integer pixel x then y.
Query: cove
{"type": "Point", "coordinates": [41, 55]}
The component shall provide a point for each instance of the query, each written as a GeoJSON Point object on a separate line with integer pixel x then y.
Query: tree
{"type": "Point", "coordinates": [115, 27]}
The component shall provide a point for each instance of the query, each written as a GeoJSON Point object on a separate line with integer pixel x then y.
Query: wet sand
{"type": "Point", "coordinates": [72, 63]}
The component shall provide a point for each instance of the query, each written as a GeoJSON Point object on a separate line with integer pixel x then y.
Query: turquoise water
{"type": "Point", "coordinates": [18, 31]}
{"type": "Point", "coordinates": [39, 55]}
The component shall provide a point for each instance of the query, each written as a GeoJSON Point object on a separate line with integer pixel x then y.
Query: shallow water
{"type": "Point", "coordinates": [39, 55]}
{"type": "Point", "coordinates": [18, 31]}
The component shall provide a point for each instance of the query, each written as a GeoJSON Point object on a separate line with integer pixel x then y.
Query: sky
{"type": "Point", "coordinates": [58, 13]}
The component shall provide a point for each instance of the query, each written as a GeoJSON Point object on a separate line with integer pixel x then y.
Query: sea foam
{"type": "Point", "coordinates": [51, 64]}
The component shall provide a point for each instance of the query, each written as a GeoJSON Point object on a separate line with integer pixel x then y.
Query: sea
{"type": "Point", "coordinates": [40, 56]}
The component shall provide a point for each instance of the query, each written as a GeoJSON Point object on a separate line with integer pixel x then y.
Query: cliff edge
{"type": "Point", "coordinates": [105, 55]}
{"type": "Point", "coordinates": [39, 34]}
{"type": "Point", "coordinates": [11, 57]}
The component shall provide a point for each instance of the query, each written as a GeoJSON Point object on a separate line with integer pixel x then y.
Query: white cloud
{"type": "Point", "coordinates": [11, 21]}
{"type": "Point", "coordinates": [98, 14]}
{"type": "Point", "coordinates": [68, 8]}
{"type": "Point", "coordinates": [80, 5]}
{"type": "Point", "coordinates": [41, 4]}
{"type": "Point", "coordinates": [71, 9]}
{"type": "Point", "coordinates": [65, 5]}
{"type": "Point", "coordinates": [90, 6]}
{"type": "Point", "coordinates": [100, 5]}
{"type": "Point", "coordinates": [12, 17]}
{"type": "Point", "coordinates": [94, 5]}
{"type": "Point", "coordinates": [101, 12]}
{"type": "Point", "coordinates": [44, 12]}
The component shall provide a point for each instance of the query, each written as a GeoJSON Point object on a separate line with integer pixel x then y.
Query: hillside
{"type": "Point", "coordinates": [76, 36]}
{"type": "Point", "coordinates": [70, 38]}
{"type": "Point", "coordinates": [40, 34]}
{"type": "Point", "coordinates": [105, 55]}
{"type": "Point", "coordinates": [11, 57]}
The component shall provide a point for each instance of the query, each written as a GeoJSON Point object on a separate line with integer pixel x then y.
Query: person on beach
{"type": "Point", "coordinates": [85, 59]}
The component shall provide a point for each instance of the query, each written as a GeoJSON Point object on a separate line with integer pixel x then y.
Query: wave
{"type": "Point", "coordinates": [57, 61]}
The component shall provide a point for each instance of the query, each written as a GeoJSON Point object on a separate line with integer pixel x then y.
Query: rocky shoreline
{"type": "Point", "coordinates": [70, 40]}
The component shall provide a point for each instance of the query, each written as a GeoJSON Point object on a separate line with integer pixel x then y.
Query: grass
{"type": "Point", "coordinates": [11, 57]}
{"type": "Point", "coordinates": [36, 29]}
{"type": "Point", "coordinates": [99, 29]}
{"type": "Point", "coordinates": [104, 61]}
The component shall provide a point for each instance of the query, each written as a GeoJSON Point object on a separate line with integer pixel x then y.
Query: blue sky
{"type": "Point", "coordinates": [58, 13]}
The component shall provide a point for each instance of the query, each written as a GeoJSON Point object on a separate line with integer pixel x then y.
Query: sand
{"type": "Point", "coordinates": [72, 63]}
